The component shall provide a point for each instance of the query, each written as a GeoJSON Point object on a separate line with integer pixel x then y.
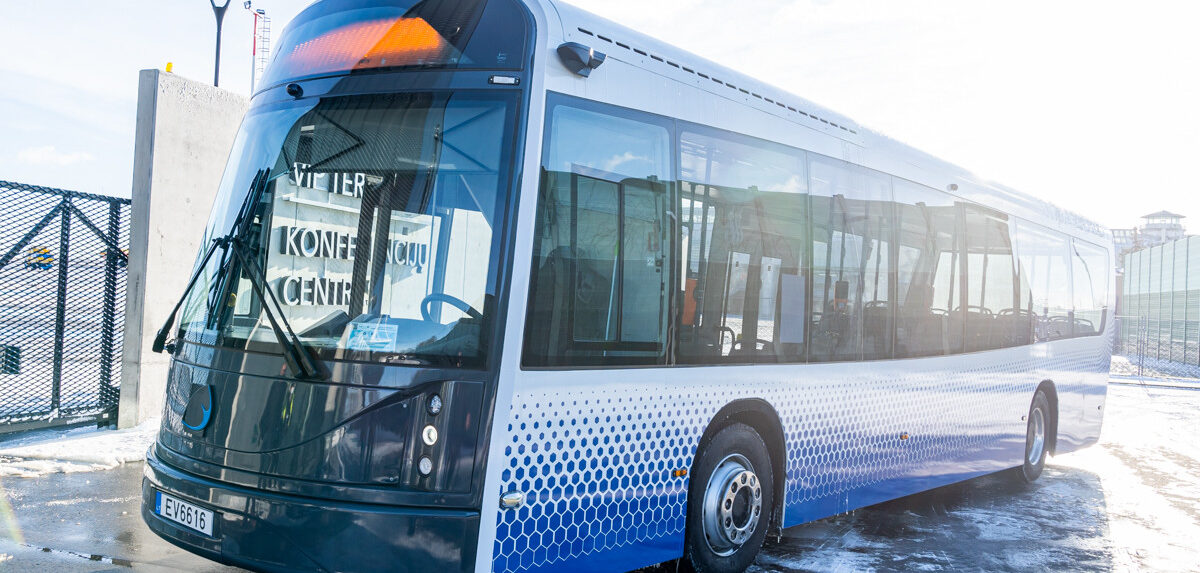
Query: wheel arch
{"type": "Point", "coordinates": [762, 417]}
{"type": "Point", "coordinates": [1048, 388]}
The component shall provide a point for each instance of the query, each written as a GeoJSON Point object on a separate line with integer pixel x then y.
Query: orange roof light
{"type": "Point", "coordinates": [373, 44]}
{"type": "Point", "coordinates": [337, 38]}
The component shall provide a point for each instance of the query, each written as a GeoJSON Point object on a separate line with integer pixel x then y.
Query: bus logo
{"type": "Point", "coordinates": [198, 413]}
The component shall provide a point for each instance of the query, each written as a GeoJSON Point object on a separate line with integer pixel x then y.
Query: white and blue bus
{"type": "Point", "coordinates": [498, 285]}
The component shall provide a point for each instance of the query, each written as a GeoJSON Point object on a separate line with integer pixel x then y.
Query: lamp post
{"type": "Point", "coordinates": [219, 12]}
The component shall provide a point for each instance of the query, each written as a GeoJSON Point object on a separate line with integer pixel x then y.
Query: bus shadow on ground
{"type": "Point", "coordinates": [988, 523]}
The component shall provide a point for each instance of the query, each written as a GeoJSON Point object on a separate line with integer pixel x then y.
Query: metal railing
{"type": "Point", "coordinates": [63, 259]}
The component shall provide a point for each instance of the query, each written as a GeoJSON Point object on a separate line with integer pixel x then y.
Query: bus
{"type": "Point", "coordinates": [499, 285]}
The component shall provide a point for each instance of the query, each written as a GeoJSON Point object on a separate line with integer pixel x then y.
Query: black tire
{"type": "Point", "coordinates": [1038, 421]}
{"type": "Point", "coordinates": [749, 516]}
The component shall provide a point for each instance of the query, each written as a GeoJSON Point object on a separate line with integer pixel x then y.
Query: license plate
{"type": "Point", "coordinates": [184, 513]}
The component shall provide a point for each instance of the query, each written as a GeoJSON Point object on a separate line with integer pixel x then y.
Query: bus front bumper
{"type": "Point", "coordinates": [263, 531]}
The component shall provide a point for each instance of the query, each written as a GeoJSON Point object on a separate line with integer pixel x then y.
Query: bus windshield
{"type": "Point", "coordinates": [373, 221]}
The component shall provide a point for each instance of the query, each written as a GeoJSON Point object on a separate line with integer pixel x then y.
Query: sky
{"type": "Point", "coordinates": [1093, 105]}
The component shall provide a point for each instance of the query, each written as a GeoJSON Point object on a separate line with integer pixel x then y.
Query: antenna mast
{"type": "Point", "coordinates": [260, 50]}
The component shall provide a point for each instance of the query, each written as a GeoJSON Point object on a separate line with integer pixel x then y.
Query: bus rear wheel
{"type": "Point", "coordinates": [1037, 439]}
{"type": "Point", "coordinates": [730, 500]}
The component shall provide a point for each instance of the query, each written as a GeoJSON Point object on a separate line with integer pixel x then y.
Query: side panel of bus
{"type": "Point", "coordinates": [597, 451]}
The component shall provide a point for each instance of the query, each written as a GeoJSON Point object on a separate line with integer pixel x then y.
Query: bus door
{"type": "Point", "coordinates": [602, 279]}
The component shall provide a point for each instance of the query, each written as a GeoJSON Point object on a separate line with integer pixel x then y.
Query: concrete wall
{"type": "Point", "coordinates": [184, 132]}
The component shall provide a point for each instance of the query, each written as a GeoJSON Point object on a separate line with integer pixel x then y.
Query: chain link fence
{"type": "Point", "coordinates": [63, 259]}
{"type": "Point", "coordinates": [1155, 349]}
{"type": "Point", "coordinates": [1158, 332]}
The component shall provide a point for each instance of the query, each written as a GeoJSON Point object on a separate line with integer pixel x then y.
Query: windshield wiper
{"type": "Point", "coordinates": [160, 341]}
{"type": "Point", "coordinates": [295, 352]}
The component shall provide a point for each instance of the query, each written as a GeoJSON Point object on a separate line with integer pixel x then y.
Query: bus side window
{"type": "Point", "coordinates": [601, 279]}
{"type": "Point", "coordinates": [993, 317]}
{"type": "Point", "coordinates": [743, 206]}
{"type": "Point", "coordinates": [1089, 287]}
{"type": "Point", "coordinates": [1045, 267]}
{"type": "Point", "coordinates": [853, 310]}
{"type": "Point", "coordinates": [927, 273]}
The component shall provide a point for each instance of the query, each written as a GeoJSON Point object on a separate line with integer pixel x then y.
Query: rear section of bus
{"type": "Point", "coordinates": [334, 359]}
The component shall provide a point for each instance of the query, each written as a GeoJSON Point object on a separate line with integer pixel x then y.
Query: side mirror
{"type": "Point", "coordinates": [579, 58]}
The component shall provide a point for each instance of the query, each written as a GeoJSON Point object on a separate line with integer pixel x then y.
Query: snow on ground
{"type": "Point", "coordinates": [75, 450]}
{"type": "Point", "coordinates": [1123, 366]}
{"type": "Point", "coordinates": [1154, 370]}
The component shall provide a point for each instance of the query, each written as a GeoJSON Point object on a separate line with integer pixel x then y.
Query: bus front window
{"type": "Point", "coordinates": [375, 222]}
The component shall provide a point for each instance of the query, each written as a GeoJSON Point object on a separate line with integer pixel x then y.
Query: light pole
{"type": "Point", "coordinates": [219, 12]}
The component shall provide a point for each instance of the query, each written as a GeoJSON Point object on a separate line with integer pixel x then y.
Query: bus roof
{"type": "Point", "coordinates": [638, 49]}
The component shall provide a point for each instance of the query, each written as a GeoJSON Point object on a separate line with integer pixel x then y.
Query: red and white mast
{"type": "Point", "coordinates": [260, 47]}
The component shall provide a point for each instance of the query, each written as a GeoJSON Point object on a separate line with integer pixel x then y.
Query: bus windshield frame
{"type": "Point", "coordinates": [397, 194]}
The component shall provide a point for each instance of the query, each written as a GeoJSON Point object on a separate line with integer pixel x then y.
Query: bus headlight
{"type": "Point", "coordinates": [425, 465]}
{"type": "Point", "coordinates": [429, 435]}
{"type": "Point", "coordinates": [434, 405]}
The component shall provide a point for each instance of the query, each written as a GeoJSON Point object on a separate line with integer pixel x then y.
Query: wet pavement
{"type": "Point", "coordinates": [86, 521]}
{"type": "Point", "coordinates": [1130, 503]}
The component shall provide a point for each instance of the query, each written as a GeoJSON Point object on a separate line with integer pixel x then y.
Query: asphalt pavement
{"type": "Point", "coordinates": [86, 521]}
{"type": "Point", "coordinates": [1130, 503]}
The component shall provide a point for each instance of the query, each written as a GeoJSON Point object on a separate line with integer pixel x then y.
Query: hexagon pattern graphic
{"type": "Point", "coordinates": [595, 463]}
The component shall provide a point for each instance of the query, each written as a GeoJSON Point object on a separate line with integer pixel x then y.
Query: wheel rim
{"type": "Point", "coordinates": [1037, 436]}
{"type": "Point", "coordinates": [732, 505]}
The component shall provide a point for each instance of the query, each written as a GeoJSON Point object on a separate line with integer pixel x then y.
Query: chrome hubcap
{"type": "Point", "coordinates": [732, 505]}
{"type": "Point", "coordinates": [1036, 437]}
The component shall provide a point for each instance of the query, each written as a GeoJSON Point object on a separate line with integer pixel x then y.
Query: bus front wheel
{"type": "Point", "coordinates": [1036, 438]}
{"type": "Point", "coordinates": [730, 500]}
